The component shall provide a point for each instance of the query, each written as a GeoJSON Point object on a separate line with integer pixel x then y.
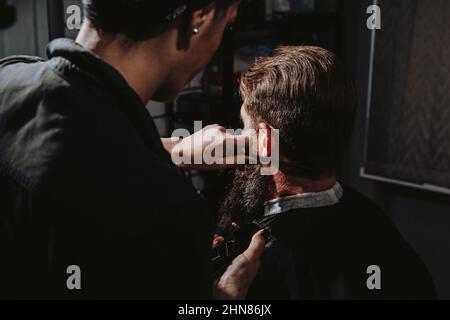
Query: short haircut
{"type": "Point", "coordinates": [309, 96]}
{"type": "Point", "coordinates": [140, 20]}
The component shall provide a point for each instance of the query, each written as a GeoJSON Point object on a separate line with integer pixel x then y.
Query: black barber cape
{"type": "Point", "coordinates": [329, 252]}
{"type": "Point", "coordinates": [85, 181]}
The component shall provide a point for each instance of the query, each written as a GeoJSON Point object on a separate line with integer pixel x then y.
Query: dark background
{"type": "Point", "coordinates": [409, 133]}
{"type": "Point", "coordinates": [422, 217]}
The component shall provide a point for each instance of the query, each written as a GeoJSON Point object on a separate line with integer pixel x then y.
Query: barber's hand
{"type": "Point", "coordinates": [235, 282]}
{"type": "Point", "coordinates": [213, 137]}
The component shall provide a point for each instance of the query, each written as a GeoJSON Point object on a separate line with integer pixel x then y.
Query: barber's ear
{"type": "Point", "coordinates": [192, 25]}
{"type": "Point", "coordinates": [198, 20]}
{"type": "Point", "coordinates": [264, 140]}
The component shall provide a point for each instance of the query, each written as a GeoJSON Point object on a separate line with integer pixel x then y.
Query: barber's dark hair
{"type": "Point", "coordinates": [141, 19]}
{"type": "Point", "coordinates": [308, 94]}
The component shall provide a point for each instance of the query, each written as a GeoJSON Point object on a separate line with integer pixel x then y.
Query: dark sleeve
{"type": "Point", "coordinates": [23, 248]}
{"type": "Point", "coordinates": [99, 199]}
{"type": "Point", "coordinates": [133, 245]}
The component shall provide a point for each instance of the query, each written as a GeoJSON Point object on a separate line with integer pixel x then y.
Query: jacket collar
{"type": "Point", "coordinates": [305, 200]}
{"type": "Point", "coordinates": [68, 58]}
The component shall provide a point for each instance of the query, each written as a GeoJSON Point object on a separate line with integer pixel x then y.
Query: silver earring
{"type": "Point", "coordinates": [196, 31]}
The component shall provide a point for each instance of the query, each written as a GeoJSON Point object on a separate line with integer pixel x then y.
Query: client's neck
{"type": "Point", "coordinates": [288, 185]}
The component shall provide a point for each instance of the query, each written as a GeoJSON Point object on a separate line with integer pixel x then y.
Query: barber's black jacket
{"type": "Point", "coordinates": [85, 181]}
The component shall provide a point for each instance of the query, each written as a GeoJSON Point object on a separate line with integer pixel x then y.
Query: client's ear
{"type": "Point", "coordinates": [264, 140]}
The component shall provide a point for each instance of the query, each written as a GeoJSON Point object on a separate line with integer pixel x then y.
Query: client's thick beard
{"type": "Point", "coordinates": [245, 200]}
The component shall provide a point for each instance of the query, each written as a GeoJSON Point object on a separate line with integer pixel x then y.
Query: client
{"type": "Point", "coordinates": [329, 242]}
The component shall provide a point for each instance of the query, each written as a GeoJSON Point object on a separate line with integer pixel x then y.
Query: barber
{"type": "Point", "coordinates": [84, 178]}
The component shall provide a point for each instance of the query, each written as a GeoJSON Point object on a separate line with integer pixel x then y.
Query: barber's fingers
{"type": "Point", "coordinates": [241, 148]}
{"type": "Point", "coordinates": [238, 277]}
{"type": "Point", "coordinates": [217, 241]}
{"type": "Point", "coordinates": [256, 247]}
